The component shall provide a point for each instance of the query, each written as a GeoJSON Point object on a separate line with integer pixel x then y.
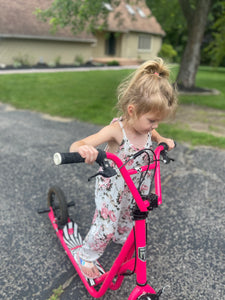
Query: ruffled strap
{"type": "Point", "coordinates": [149, 141]}
{"type": "Point", "coordinates": [123, 130]}
{"type": "Point", "coordinates": [121, 126]}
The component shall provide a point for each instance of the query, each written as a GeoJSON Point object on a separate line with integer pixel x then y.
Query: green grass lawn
{"type": "Point", "coordinates": [87, 96]}
{"type": "Point", "coordinates": [209, 78]}
{"type": "Point", "coordinates": [91, 96]}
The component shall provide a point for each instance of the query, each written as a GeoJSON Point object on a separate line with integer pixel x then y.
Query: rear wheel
{"type": "Point", "coordinates": [57, 200]}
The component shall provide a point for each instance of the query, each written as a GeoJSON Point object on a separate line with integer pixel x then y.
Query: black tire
{"type": "Point", "coordinates": [57, 200]}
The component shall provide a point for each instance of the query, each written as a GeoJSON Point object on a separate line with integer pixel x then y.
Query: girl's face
{"type": "Point", "coordinates": [144, 123]}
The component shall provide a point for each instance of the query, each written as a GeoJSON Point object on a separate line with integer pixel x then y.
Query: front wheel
{"type": "Point", "coordinates": [57, 200]}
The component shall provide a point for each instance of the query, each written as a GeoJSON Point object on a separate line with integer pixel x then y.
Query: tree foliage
{"type": "Point", "coordinates": [216, 48]}
{"type": "Point", "coordinates": [79, 15]}
{"type": "Point", "coordinates": [171, 18]}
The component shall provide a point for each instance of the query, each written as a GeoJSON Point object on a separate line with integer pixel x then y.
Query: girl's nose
{"type": "Point", "coordinates": [155, 125]}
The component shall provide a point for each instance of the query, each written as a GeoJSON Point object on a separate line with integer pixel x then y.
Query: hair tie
{"type": "Point", "coordinates": [156, 73]}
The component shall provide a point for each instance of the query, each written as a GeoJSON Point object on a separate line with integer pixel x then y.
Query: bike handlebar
{"type": "Point", "coordinates": [108, 171]}
{"type": "Point", "coordinates": [75, 157]}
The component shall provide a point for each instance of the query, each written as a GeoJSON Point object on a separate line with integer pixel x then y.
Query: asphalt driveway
{"type": "Point", "coordinates": [186, 234]}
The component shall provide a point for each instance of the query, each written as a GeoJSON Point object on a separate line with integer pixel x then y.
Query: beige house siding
{"type": "Point", "coordinates": [99, 46]}
{"type": "Point", "coordinates": [127, 46]}
{"type": "Point", "coordinates": [43, 50]}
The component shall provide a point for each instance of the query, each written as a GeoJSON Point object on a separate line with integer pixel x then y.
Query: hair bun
{"type": "Point", "coordinates": [156, 67]}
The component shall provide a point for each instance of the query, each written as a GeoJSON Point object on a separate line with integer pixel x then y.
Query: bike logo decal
{"type": "Point", "coordinates": [142, 253]}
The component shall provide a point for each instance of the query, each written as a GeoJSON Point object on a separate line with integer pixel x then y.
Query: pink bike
{"type": "Point", "coordinates": [132, 257]}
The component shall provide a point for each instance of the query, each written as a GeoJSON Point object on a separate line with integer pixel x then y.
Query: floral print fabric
{"type": "Point", "coordinates": [112, 219]}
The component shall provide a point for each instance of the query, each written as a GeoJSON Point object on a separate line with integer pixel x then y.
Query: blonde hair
{"type": "Point", "coordinates": [149, 90]}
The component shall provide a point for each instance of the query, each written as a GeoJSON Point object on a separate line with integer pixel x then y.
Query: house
{"type": "Point", "coordinates": [136, 34]}
{"type": "Point", "coordinates": [23, 37]}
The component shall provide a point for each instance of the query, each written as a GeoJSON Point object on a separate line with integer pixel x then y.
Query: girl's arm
{"type": "Point", "coordinates": [156, 137]}
{"type": "Point", "coordinates": [87, 146]}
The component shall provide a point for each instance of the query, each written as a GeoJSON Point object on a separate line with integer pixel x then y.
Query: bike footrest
{"type": "Point", "coordinates": [71, 235]}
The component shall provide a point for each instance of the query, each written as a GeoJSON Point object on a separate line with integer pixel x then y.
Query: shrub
{"type": "Point", "coordinates": [167, 52]}
{"type": "Point", "coordinates": [57, 60]}
{"type": "Point", "coordinates": [78, 60]}
{"type": "Point", "coordinates": [22, 60]}
{"type": "Point", "coordinates": [113, 63]}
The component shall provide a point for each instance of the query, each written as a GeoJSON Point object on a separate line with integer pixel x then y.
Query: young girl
{"type": "Point", "coordinates": [144, 99]}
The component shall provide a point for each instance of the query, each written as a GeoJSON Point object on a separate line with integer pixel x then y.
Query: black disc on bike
{"type": "Point", "coordinates": [57, 200]}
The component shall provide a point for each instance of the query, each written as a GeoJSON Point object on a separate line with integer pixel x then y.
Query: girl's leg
{"type": "Point", "coordinates": [104, 225]}
{"type": "Point", "coordinates": [96, 241]}
{"type": "Point", "coordinates": [124, 227]}
{"type": "Point", "coordinates": [100, 234]}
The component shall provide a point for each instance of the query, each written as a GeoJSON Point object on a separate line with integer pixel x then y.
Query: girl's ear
{"type": "Point", "coordinates": [131, 110]}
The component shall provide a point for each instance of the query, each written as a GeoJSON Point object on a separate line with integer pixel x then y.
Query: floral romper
{"type": "Point", "coordinates": [112, 219]}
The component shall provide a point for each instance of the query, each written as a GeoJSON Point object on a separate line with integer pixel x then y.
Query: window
{"type": "Point", "coordinates": [141, 13]}
{"type": "Point", "coordinates": [108, 6]}
{"type": "Point", "coordinates": [144, 42]}
{"type": "Point", "coordinates": [130, 9]}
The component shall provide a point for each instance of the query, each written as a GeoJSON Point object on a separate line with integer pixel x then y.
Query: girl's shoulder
{"type": "Point", "coordinates": [114, 131]}
{"type": "Point", "coordinates": [115, 120]}
{"type": "Point", "coordinates": [115, 127]}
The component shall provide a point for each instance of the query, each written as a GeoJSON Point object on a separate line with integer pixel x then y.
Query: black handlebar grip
{"type": "Point", "coordinates": [67, 158]}
{"type": "Point", "coordinates": [166, 147]}
{"type": "Point", "coordinates": [74, 157]}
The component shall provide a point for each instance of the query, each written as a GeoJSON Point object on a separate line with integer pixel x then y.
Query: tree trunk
{"type": "Point", "coordinates": [196, 22]}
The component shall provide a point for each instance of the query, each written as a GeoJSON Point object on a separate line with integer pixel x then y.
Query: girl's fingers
{"type": "Point", "coordinates": [89, 153]}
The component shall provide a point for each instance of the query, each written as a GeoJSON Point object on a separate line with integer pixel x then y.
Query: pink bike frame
{"type": "Point", "coordinates": [137, 238]}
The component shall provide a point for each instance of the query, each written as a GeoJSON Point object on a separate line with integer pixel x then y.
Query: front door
{"type": "Point", "coordinates": [110, 48]}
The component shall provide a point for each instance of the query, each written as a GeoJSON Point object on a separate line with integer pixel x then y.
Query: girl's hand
{"type": "Point", "coordinates": [89, 153]}
{"type": "Point", "coordinates": [169, 142]}
{"type": "Point", "coordinates": [156, 137]}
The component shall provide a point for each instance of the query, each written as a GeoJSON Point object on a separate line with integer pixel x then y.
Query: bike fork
{"type": "Point", "coordinates": [142, 290]}
{"type": "Point", "coordinates": [140, 239]}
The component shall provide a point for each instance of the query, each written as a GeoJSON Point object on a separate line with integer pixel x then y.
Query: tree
{"type": "Point", "coordinates": [217, 46]}
{"type": "Point", "coordinates": [171, 18]}
{"type": "Point", "coordinates": [195, 13]}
